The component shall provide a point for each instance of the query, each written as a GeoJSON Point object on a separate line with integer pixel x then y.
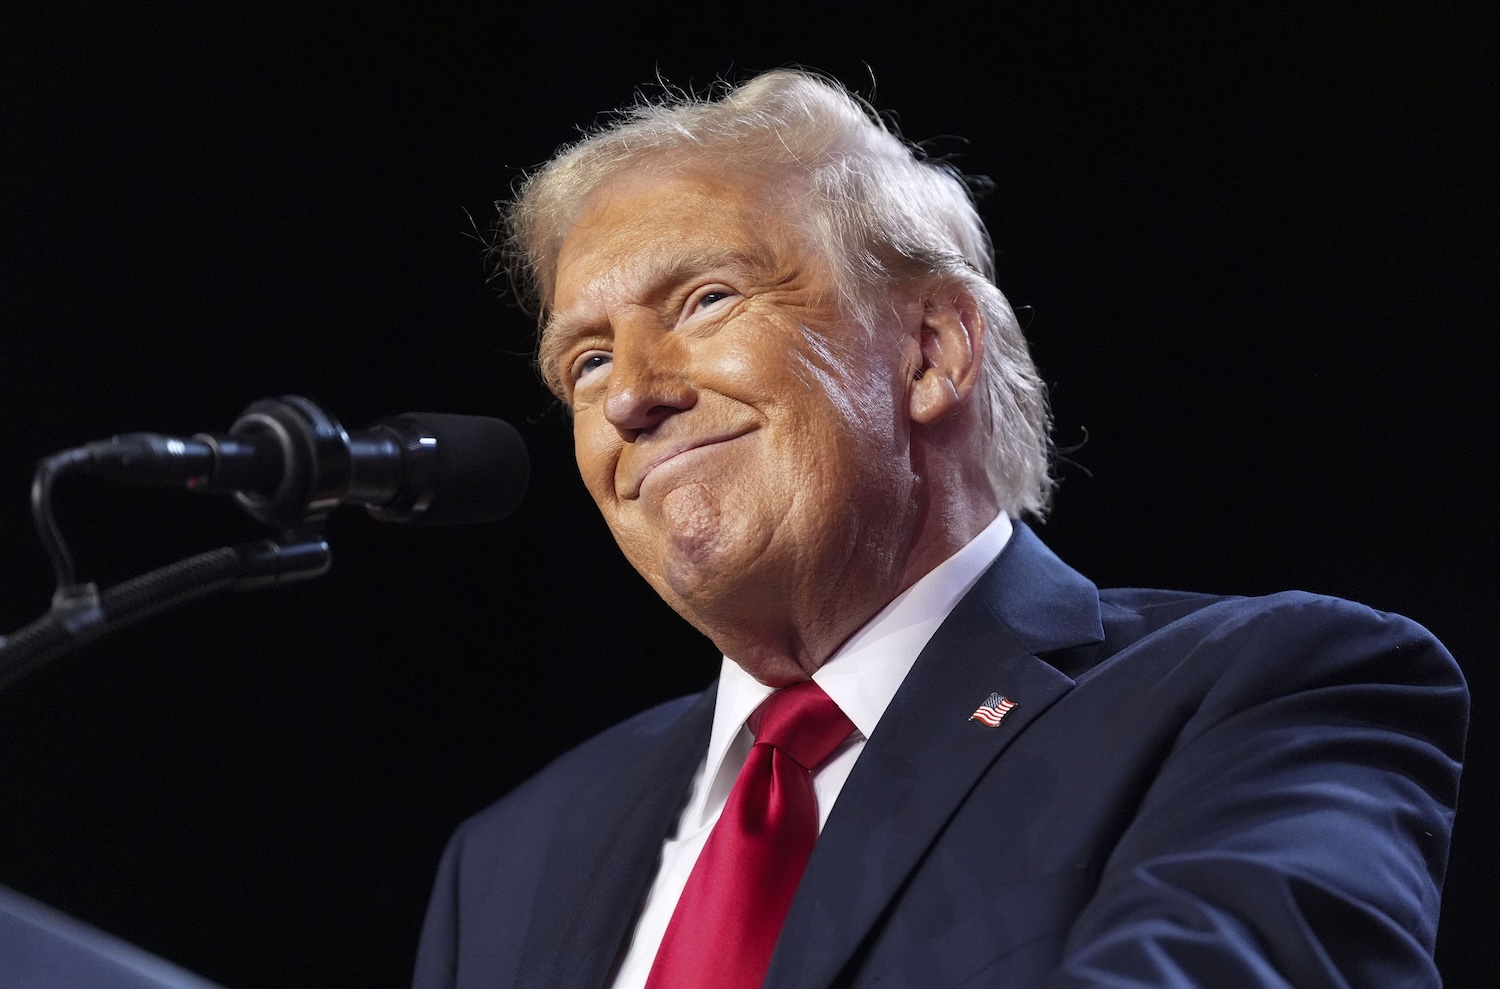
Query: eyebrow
{"type": "Point", "coordinates": [562, 328]}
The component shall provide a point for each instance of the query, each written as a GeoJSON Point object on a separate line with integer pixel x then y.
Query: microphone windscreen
{"type": "Point", "coordinates": [482, 468]}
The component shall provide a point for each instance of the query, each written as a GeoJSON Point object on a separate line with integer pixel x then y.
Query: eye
{"type": "Point", "coordinates": [588, 363]}
{"type": "Point", "coordinates": [707, 298]}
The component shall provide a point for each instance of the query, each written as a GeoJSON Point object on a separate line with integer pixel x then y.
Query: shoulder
{"type": "Point", "coordinates": [1274, 628]}
{"type": "Point", "coordinates": [614, 759]}
{"type": "Point", "coordinates": [1292, 657]}
{"type": "Point", "coordinates": [1197, 661]}
{"type": "Point", "coordinates": [1291, 764]}
{"type": "Point", "coordinates": [509, 858]}
{"type": "Point", "coordinates": [617, 752]}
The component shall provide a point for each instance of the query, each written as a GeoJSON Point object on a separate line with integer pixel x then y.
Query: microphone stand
{"type": "Point", "coordinates": [81, 613]}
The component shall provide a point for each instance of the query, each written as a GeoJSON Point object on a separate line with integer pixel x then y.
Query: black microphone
{"type": "Point", "coordinates": [288, 462]}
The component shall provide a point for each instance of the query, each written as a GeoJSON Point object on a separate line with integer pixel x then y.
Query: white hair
{"type": "Point", "coordinates": [879, 210]}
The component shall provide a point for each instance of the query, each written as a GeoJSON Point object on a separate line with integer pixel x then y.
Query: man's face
{"type": "Point", "coordinates": [748, 449]}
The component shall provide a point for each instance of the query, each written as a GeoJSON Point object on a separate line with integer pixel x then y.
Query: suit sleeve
{"type": "Point", "coordinates": [1297, 831]}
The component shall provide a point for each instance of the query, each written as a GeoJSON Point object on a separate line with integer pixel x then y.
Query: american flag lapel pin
{"type": "Point", "coordinates": [993, 710]}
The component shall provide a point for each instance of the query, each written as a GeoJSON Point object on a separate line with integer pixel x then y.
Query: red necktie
{"type": "Point", "coordinates": [730, 914]}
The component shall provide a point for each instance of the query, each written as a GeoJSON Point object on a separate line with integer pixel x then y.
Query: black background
{"type": "Point", "coordinates": [1259, 249]}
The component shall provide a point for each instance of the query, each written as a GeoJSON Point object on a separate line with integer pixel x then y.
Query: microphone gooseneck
{"type": "Point", "coordinates": [288, 463]}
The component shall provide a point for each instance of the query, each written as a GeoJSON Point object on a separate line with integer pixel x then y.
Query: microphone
{"type": "Point", "coordinates": [288, 462]}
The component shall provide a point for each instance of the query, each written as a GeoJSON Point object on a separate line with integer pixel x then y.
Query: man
{"type": "Point", "coordinates": [810, 421]}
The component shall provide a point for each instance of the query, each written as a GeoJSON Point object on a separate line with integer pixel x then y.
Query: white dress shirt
{"type": "Point", "coordinates": [861, 678]}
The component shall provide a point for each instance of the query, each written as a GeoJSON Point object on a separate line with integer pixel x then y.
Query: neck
{"type": "Point", "coordinates": [806, 632]}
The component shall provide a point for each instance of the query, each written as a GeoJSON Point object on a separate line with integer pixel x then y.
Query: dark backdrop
{"type": "Point", "coordinates": [1258, 249]}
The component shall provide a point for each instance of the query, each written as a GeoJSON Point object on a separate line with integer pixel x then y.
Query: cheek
{"type": "Point", "coordinates": [596, 459]}
{"type": "Point", "coordinates": [736, 367]}
{"type": "Point", "coordinates": [855, 412]}
{"type": "Point", "coordinates": [849, 372]}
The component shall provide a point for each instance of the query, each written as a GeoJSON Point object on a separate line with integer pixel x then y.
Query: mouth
{"type": "Point", "coordinates": [676, 453]}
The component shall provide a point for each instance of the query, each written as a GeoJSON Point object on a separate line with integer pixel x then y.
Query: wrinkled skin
{"type": "Point", "coordinates": [776, 474]}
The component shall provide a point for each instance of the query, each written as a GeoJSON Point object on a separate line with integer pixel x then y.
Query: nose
{"type": "Point", "coordinates": [649, 379]}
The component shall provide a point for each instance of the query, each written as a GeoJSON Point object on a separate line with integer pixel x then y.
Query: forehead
{"type": "Point", "coordinates": [643, 227]}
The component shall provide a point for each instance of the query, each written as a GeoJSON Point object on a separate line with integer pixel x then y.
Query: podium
{"type": "Point", "coordinates": [43, 948]}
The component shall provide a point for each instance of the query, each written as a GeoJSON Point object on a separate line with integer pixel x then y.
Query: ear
{"type": "Point", "coordinates": [951, 342]}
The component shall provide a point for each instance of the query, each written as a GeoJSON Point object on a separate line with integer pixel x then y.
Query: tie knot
{"type": "Point", "coordinates": [801, 721]}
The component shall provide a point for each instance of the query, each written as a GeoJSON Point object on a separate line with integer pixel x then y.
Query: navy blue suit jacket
{"type": "Point", "coordinates": [1191, 791]}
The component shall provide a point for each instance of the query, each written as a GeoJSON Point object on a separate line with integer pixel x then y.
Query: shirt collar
{"type": "Point", "coordinates": [863, 675]}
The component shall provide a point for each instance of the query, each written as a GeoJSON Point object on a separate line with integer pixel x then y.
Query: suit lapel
{"type": "Point", "coordinates": [926, 755]}
{"type": "Point", "coordinates": [605, 855]}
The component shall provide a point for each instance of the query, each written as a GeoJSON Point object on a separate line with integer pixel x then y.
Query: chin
{"type": "Point", "coordinates": [719, 584]}
{"type": "Point", "coordinates": [702, 582]}
{"type": "Point", "coordinates": [700, 546]}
